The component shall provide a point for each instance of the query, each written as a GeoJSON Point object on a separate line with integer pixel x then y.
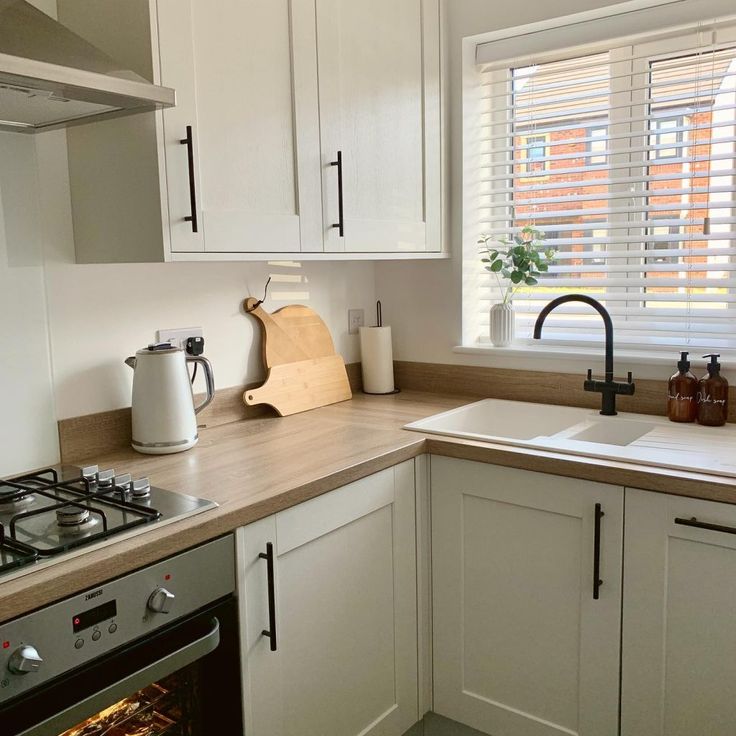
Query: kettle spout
{"type": "Point", "coordinates": [130, 361]}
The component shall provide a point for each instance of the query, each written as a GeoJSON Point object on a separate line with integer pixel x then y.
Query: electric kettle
{"type": "Point", "coordinates": [164, 418]}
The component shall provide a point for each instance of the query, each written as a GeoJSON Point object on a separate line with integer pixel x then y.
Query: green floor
{"type": "Point", "coordinates": [434, 725]}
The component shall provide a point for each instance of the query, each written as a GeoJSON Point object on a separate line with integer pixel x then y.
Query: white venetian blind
{"type": "Point", "coordinates": [626, 160]}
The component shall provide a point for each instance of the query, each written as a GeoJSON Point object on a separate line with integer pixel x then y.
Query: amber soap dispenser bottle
{"type": "Point", "coordinates": [713, 395]}
{"type": "Point", "coordinates": [682, 398]}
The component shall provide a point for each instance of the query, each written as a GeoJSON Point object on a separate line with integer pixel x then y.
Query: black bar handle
{"type": "Point", "coordinates": [597, 582]}
{"type": "Point", "coordinates": [189, 143]}
{"type": "Point", "coordinates": [340, 224]}
{"type": "Point", "coordinates": [705, 525]}
{"type": "Point", "coordinates": [270, 632]}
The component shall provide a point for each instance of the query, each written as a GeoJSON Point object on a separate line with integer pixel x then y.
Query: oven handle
{"type": "Point", "coordinates": [132, 683]}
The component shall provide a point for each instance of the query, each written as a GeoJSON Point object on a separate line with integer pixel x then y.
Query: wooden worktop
{"type": "Point", "coordinates": [258, 466]}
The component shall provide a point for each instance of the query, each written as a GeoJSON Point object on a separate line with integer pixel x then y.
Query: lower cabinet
{"type": "Point", "coordinates": [525, 641]}
{"type": "Point", "coordinates": [679, 637]}
{"type": "Point", "coordinates": [526, 608]}
{"type": "Point", "coordinates": [341, 658]}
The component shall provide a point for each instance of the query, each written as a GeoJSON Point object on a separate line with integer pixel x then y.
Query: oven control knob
{"type": "Point", "coordinates": [160, 600]}
{"type": "Point", "coordinates": [25, 659]}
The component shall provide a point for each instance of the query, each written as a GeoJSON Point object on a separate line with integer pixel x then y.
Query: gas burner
{"type": "Point", "coordinates": [72, 516]}
{"type": "Point", "coordinates": [51, 512]}
{"type": "Point", "coordinates": [14, 499]}
{"type": "Point", "coordinates": [73, 524]}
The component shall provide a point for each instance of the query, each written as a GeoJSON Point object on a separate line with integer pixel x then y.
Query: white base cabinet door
{"type": "Point", "coordinates": [679, 637]}
{"type": "Point", "coordinates": [522, 646]}
{"type": "Point", "coordinates": [345, 597]}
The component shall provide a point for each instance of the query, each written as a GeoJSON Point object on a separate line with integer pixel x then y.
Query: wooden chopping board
{"type": "Point", "coordinates": [304, 371]}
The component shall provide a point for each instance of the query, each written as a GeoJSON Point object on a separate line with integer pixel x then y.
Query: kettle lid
{"type": "Point", "coordinates": [164, 348]}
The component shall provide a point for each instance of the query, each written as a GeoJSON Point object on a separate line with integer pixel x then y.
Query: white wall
{"type": "Point", "coordinates": [100, 314]}
{"type": "Point", "coordinates": [423, 301]}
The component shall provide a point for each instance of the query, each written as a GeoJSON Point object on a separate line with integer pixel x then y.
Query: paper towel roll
{"type": "Point", "coordinates": [377, 360]}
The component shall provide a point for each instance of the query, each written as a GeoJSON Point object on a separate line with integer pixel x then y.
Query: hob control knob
{"type": "Point", "coordinates": [141, 488]}
{"type": "Point", "coordinates": [161, 600]}
{"type": "Point", "coordinates": [25, 659]}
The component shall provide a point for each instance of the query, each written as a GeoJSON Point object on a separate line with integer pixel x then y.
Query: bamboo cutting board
{"type": "Point", "coordinates": [304, 371]}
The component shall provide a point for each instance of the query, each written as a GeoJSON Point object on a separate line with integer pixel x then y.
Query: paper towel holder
{"type": "Point", "coordinates": [379, 323]}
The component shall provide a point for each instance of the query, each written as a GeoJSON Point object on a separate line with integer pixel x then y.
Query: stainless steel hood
{"type": "Point", "coordinates": [50, 77]}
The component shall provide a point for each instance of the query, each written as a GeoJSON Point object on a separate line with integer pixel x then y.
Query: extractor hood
{"type": "Point", "coordinates": [51, 78]}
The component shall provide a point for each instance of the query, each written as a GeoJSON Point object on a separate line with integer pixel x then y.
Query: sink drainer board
{"type": "Point", "coordinates": [633, 438]}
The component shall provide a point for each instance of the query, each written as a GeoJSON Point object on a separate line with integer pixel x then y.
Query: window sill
{"type": "Point", "coordinates": [560, 358]}
{"type": "Point", "coordinates": [523, 350]}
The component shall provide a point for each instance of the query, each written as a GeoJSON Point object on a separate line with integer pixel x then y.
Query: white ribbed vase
{"type": "Point", "coordinates": [503, 323]}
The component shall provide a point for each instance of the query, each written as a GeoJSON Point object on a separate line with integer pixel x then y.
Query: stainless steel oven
{"type": "Point", "coordinates": [153, 652]}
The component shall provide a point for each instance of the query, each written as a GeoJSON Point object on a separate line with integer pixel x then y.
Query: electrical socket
{"type": "Point", "coordinates": [178, 337]}
{"type": "Point", "coordinates": [356, 319]}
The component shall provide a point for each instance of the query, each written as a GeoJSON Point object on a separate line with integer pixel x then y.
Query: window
{"type": "Point", "coordinates": [597, 145]}
{"type": "Point", "coordinates": [667, 138]}
{"type": "Point", "coordinates": [533, 153]}
{"type": "Point", "coordinates": [625, 157]}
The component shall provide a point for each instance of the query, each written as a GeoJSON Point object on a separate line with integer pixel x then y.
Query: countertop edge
{"type": "Point", "coordinates": [36, 589]}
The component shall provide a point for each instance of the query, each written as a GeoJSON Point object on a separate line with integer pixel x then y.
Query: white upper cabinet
{"type": "Point", "coordinates": [379, 113]}
{"type": "Point", "coordinates": [240, 190]}
{"type": "Point", "coordinates": [679, 640]}
{"type": "Point", "coordinates": [268, 92]}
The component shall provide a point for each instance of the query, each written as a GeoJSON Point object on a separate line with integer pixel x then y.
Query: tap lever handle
{"type": "Point", "coordinates": [590, 374]}
{"type": "Point", "coordinates": [631, 377]}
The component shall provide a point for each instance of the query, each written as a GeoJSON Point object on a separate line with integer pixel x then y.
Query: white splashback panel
{"type": "Point", "coordinates": [28, 436]}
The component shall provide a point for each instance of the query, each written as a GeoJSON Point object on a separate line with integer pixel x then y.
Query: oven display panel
{"type": "Point", "coordinates": [93, 616]}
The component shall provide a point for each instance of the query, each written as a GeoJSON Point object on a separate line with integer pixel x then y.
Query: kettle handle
{"type": "Point", "coordinates": [209, 380]}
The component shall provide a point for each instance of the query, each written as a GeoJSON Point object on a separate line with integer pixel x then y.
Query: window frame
{"type": "Point", "coordinates": [682, 43]}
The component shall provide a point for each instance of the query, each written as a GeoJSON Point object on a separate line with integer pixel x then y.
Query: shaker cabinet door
{"type": "Point", "coordinates": [379, 110]}
{"type": "Point", "coordinates": [525, 642]}
{"type": "Point", "coordinates": [679, 638]}
{"type": "Point", "coordinates": [345, 618]}
{"type": "Point", "coordinates": [239, 188]}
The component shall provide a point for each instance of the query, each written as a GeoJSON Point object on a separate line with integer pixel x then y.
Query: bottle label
{"type": "Point", "coordinates": [679, 397]}
{"type": "Point", "coordinates": [704, 398]}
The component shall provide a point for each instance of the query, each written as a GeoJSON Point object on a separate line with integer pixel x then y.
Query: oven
{"type": "Point", "coordinates": [154, 652]}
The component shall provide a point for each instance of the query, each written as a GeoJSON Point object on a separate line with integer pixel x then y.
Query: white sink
{"type": "Point", "coordinates": [652, 441]}
{"type": "Point", "coordinates": [498, 420]}
{"type": "Point", "coordinates": [615, 431]}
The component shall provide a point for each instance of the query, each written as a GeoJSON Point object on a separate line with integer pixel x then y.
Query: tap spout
{"type": "Point", "coordinates": [607, 323]}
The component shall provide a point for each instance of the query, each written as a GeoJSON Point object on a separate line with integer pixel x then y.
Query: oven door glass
{"type": "Point", "coordinates": [170, 706]}
{"type": "Point", "coordinates": [182, 681]}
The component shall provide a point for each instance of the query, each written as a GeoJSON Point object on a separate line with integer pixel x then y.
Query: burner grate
{"type": "Point", "coordinates": [38, 528]}
{"type": "Point", "coordinates": [14, 554]}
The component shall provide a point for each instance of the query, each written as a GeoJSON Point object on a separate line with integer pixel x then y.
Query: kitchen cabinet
{"type": "Point", "coordinates": [522, 645]}
{"type": "Point", "coordinates": [378, 66]}
{"type": "Point", "coordinates": [679, 641]}
{"type": "Point", "coordinates": [247, 173]}
{"type": "Point", "coordinates": [344, 612]}
{"type": "Point", "coordinates": [268, 91]}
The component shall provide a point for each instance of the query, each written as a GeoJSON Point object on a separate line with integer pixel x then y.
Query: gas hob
{"type": "Point", "coordinates": [55, 513]}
